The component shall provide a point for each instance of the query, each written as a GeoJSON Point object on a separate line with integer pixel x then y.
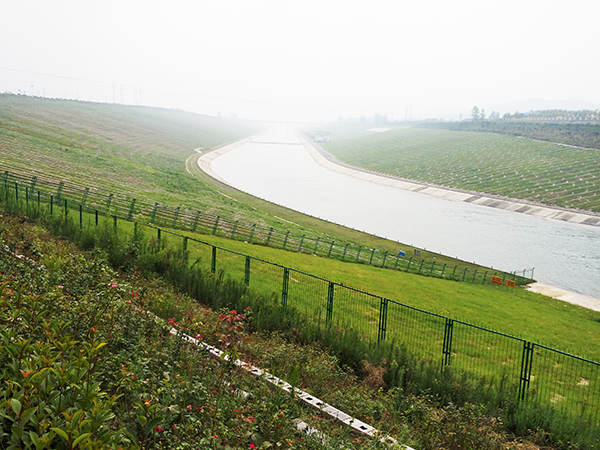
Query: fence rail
{"type": "Point", "coordinates": [538, 374]}
{"type": "Point", "coordinates": [209, 223]}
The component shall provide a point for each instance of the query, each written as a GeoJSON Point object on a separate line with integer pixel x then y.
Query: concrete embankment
{"type": "Point", "coordinates": [205, 160]}
{"type": "Point", "coordinates": [327, 160]}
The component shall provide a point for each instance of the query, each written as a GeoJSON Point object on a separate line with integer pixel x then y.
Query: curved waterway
{"type": "Point", "coordinates": [277, 168]}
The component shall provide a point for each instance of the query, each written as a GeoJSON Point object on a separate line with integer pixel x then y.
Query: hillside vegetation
{"type": "Point", "coordinates": [384, 364]}
{"type": "Point", "coordinates": [543, 172]}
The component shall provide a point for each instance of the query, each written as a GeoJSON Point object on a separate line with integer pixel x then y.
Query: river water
{"type": "Point", "coordinates": [277, 168]}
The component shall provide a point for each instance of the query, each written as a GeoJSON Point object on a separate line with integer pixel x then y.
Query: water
{"type": "Point", "coordinates": [564, 254]}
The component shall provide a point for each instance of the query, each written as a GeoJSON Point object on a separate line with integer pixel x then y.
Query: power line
{"type": "Point", "coordinates": [189, 94]}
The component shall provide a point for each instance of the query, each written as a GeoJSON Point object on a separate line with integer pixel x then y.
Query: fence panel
{"type": "Point", "coordinates": [494, 356]}
{"type": "Point", "coordinates": [308, 294]}
{"type": "Point", "coordinates": [357, 310]}
{"type": "Point", "coordinates": [234, 264]}
{"type": "Point", "coordinates": [566, 383]}
{"type": "Point", "coordinates": [200, 254]}
{"type": "Point", "coordinates": [420, 332]}
{"type": "Point", "coordinates": [266, 278]}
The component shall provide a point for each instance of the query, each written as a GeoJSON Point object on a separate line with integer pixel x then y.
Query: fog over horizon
{"type": "Point", "coordinates": [307, 61]}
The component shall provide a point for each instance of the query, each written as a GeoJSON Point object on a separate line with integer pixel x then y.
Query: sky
{"type": "Point", "coordinates": [304, 60]}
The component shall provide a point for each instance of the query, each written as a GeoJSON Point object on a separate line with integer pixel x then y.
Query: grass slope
{"type": "Point", "coordinates": [70, 138]}
{"type": "Point", "coordinates": [543, 172]}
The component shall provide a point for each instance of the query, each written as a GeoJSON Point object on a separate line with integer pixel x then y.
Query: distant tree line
{"type": "Point", "coordinates": [579, 134]}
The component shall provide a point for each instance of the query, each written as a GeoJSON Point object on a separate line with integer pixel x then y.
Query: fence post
{"type": "Point", "coordinates": [96, 217]}
{"type": "Point", "coordinates": [84, 196]}
{"type": "Point", "coordinates": [409, 263]}
{"type": "Point", "coordinates": [465, 274]}
{"type": "Point", "coordinates": [17, 192]}
{"type": "Point", "coordinates": [483, 282]}
{"type": "Point", "coordinates": [252, 233]}
{"type": "Point", "coordinates": [39, 199]}
{"type": "Point", "coordinates": [421, 265]}
{"type": "Point", "coordinates": [108, 202]}
{"type": "Point", "coordinates": [185, 242]}
{"type": "Point", "coordinates": [330, 292]}
{"type": "Point", "coordinates": [383, 307]}
{"type": "Point", "coordinates": [474, 275]}
{"type": "Point", "coordinates": [214, 231]}
{"type": "Point", "coordinates": [384, 258]}
{"type": "Point", "coordinates": [158, 234]}
{"type": "Point", "coordinates": [80, 216]}
{"type": "Point", "coordinates": [443, 269]}
{"type": "Point", "coordinates": [432, 266]}
{"type": "Point", "coordinates": [453, 272]}
{"type": "Point", "coordinates": [358, 252]}
{"type": "Point", "coordinates": [213, 263]}
{"type": "Point", "coordinates": [176, 217]}
{"type": "Point", "coordinates": [316, 245]}
{"type": "Point", "coordinates": [51, 205]}
{"type": "Point", "coordinates": [235, 224]}
{"type": "Point", "coordinates": [247, 272]}
{"type": "Point", "coordinates": [153, 215]}
{"type": "Point", "coordinates": [301, 243]}
{"type": "Point", "coordinates": [32, 186]}
{"type": "Point", "coordinates": [330, 249]}
{"type": "Point", "coordinates": [371, 258]}
{"type": "Point", "coordinates": [447, 345]}
{"type": "Point", "coordinates": [269, 236]}
{"type": "Point", "coordinates": [284, 289]}
{"type": "Point", "coordinates": [287, 234]}
{"type": "Point", "coordinates": [61, 185]}
{"type": "Point", "coordinates": [525, 376]}
{"type": "Point", "coordinates": [115, 219]}
{"type": "Point", "coordinates": [345, 250]}
{"type": "Point", "coordinates": [27, 198]}
{"type": "Point", "coordinates": [196, 221]}
{"type": "Point", "coordinates": [66, 209]}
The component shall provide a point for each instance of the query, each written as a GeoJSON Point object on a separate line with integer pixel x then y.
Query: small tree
{"type": "Point", "coordinates": [475, 113]}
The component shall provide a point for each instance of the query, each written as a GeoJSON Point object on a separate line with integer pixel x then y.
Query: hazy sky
{"type": "Point", "coordinates": [277, 59]}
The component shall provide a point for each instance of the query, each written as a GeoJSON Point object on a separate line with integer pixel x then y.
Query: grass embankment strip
{"type": "Point", "coordinates": [543, 172]}
{"type": "Point", "coordinates": [517, 312]}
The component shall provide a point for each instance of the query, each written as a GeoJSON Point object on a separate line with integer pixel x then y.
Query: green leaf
{"type": "Point", "coordinates": [80, 438]}
{"type": "Point", "coordinates": [130, 435]}
{"type": "Point", "coordinates": [16, 405]}
{"type": "Point", "coordinates": [61, 433]}
{"type": "Point", "coordinates": [34, 438]}
{"type": "Point", "coordinates": [152, 424]}
{"type": "Point", "coordinates": [27, 415]}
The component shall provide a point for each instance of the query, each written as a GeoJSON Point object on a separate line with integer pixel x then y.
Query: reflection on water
{"type": "Point", "coordinates": [563, 254]}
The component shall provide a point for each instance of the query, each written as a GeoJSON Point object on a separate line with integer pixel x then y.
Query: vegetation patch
{"type": "Point", "coordinates": [543, 172]}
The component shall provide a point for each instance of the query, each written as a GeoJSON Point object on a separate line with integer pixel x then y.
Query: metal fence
{"type": "Point", "coordinates": [541, 375]}
{"type": "Point", "coordinates": [207, 222]}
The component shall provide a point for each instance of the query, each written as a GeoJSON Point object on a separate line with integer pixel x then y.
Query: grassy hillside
{"type": "Point", "coordinates": [516, 312]}
{"type": "Point", "coordinates": [136, 140]}
{"type": "Point", "coordinates": [119, 148]}
{"type": "Point", "coordinates": [553, 174]}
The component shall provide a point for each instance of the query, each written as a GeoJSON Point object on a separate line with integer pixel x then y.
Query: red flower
{"type": "Point", "coordinates": [157, 429]}
{"type": "Point", "coordinates": [252, 446]}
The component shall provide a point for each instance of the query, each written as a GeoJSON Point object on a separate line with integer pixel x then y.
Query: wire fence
{"type": "Point", "coordinates": [206, 222]}
{"type": "Point", "coordinates": [541, 375]}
